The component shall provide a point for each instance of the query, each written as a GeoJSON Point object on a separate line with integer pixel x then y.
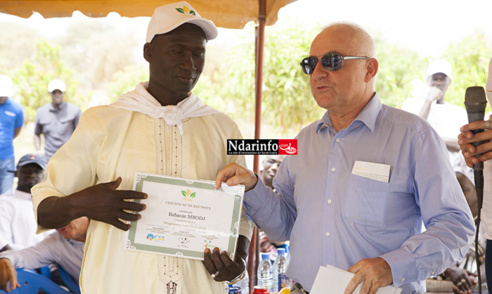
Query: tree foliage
{"type": "Point", "coordinates": [17, 44]}
{"type": "Point", "coordinates": [397, 68]}
{"type": "Point", "coordinates": [96, 50]}
{"type": "Point", "coordinates": [93, 55]}
{"type": "Point", "coordinates": [126, 80]}
{"type": "Point", "coordinates": [287, 100]}
{"type": "Point", "coordinates": [31, 79]}
{"type": "Point", "coordinates": [469, 59]}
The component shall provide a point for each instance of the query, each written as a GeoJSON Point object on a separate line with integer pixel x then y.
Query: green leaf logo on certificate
{"type": "Point", "coordinates": [183, 217]}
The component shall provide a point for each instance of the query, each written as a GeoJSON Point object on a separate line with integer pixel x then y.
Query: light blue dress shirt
{"type": "Point", "coordinates": [68, 253]}
{"type": "Point", "coordinates": [332, 216]}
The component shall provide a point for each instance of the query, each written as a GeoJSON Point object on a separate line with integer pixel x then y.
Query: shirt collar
{"type": "Point", "coordinates": [59, 106]}
{"type": "Point", "coordinates": [368, 115]}
{"type": "Point", "coordinates": [23, 195]}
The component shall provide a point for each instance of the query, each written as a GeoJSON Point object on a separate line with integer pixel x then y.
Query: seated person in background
{"type": "Point", "coordinates": [65, 247]}
{"type": "Point", "coordinates": [17, 223]}
{"type": "Point", "coordinates": [270, 165]}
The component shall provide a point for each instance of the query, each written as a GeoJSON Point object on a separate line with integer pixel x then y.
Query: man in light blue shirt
{"type": "Point", "coordinates": [65, 247]}
{"type": "Point", "coordinates": [365, 179]}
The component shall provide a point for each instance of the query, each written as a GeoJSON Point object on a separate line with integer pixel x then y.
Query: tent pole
{"type": "Point", "coordinates": [260, 44]}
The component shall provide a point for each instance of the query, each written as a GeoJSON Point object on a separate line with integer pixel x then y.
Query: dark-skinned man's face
{"type": "Point", "coordinates": [176, 59]}
{"type": "Point", "coordinates": [57, 97]}
{"type": "Point", "coordinates": [28, 176]}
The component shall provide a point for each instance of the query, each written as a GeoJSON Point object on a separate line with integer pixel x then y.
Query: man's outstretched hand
{"type": "Point", "coordinates": [234, 174]}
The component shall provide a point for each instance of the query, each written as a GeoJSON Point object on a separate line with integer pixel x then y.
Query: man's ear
{"type": "Point", "coordinates": [372, 69]}
{"type": "Point", "coordinates": [147, 51]}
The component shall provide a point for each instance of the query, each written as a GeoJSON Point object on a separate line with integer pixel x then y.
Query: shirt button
{"type": "Point", "coordinates": [329, 201]}
{"type": "Point", "coordinates": [327, 234]}
{"type": "Point", "coordinates": [333, 169]}
{"type": "Point", "coordinates": [403, 279]}
{"type": "Point", "coordinates": [337, 140]}
{"type": "Point", "coordinates": [247, 199]}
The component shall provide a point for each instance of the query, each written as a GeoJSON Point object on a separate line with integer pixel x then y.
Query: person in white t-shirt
{"type": "Point", "coordinates": [430, 104]}
{"type": "Point", "coordinates": [17, 222]}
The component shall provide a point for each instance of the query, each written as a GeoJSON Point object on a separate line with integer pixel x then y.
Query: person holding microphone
{"type": "Point", "coordinates": [474, 155]}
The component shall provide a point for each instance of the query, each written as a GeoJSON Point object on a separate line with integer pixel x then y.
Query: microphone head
{"type": "Point", "coordinates": [475, 100]}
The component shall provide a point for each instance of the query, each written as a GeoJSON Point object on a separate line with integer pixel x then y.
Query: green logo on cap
{"type": "Point", "coordinates": [186, 10]}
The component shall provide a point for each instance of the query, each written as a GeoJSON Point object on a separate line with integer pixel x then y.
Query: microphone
{"type": "Point", "coordinates": [488, 86]}
{"type": "Point", "coordinates": [475, 103]}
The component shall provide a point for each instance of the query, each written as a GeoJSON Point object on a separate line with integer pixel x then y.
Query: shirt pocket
{"type": "Point", "coordinates": [43, 126]}
{"type": "Point", "coordinates": [366, 200]}
{"type": "Point", "coordinates": [66, 126]}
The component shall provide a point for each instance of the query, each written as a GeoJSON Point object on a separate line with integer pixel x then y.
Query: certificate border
{"type": "Point", "coordinates": [140, 178]}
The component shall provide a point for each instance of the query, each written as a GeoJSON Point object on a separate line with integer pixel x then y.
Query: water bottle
{"type": "Point", "coordinates": [287, 251]}
{"type": "Point", "coordinates": [279, 268]}
{"type": "Point", "coordinates": [243, 285]}
{"type": "Point", "coordinates": [265, 272]}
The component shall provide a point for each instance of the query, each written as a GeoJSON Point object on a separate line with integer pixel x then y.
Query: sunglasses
{"type": "Point", "coordinates": [330, 62]}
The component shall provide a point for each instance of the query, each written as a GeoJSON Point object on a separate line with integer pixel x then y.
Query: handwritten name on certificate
{"type": "Point", "coordinates": [183, 217]}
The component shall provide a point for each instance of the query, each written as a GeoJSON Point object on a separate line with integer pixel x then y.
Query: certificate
{"type": "Point", "coordinates": [183, 217]}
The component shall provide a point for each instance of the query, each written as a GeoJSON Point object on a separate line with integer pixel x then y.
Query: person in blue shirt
{"type": "Point", "coordinates": [366, 180]}
{"type": "Point", "coordinates": [11, 121]}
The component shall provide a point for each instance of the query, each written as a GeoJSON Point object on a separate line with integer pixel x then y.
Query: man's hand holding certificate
{"type": "Point", "coordinates": [184, 217]}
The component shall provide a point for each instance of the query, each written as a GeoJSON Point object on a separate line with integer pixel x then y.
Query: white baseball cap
{"type": "Point", "coordinates": [168, 17]}
{"type": "Point", "coordinates": [6, 86]}
{"type": "Point", "coordinates": [439, 66]}
{"type": "Point", "coordinates": [57, 85]}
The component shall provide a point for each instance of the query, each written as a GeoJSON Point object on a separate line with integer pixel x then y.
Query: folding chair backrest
{"type": "Point", "coordinates": [31, 282]}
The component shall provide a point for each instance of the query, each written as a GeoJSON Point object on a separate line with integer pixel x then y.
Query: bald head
{"type": "Point", "coordinates": [352, 37]}
{"type": "Point", "coordinates": [347, 39]}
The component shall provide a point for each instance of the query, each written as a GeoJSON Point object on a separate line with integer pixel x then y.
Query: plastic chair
{"type": "Point", "coordinates": [31, 283]}
{"type": "Point", "coordinates": [68, 280]}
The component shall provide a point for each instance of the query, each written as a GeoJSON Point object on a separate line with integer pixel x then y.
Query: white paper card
{"type": "Point", "coordinates": [375, 171]}
{"type": "Point", "coordinates": [334, 281]}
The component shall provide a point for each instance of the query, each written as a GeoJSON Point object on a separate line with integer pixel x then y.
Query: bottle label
{"type": "Point", "coordinates": [235, 290]}
{"type": "Point", "coordinates": [283, 282]}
